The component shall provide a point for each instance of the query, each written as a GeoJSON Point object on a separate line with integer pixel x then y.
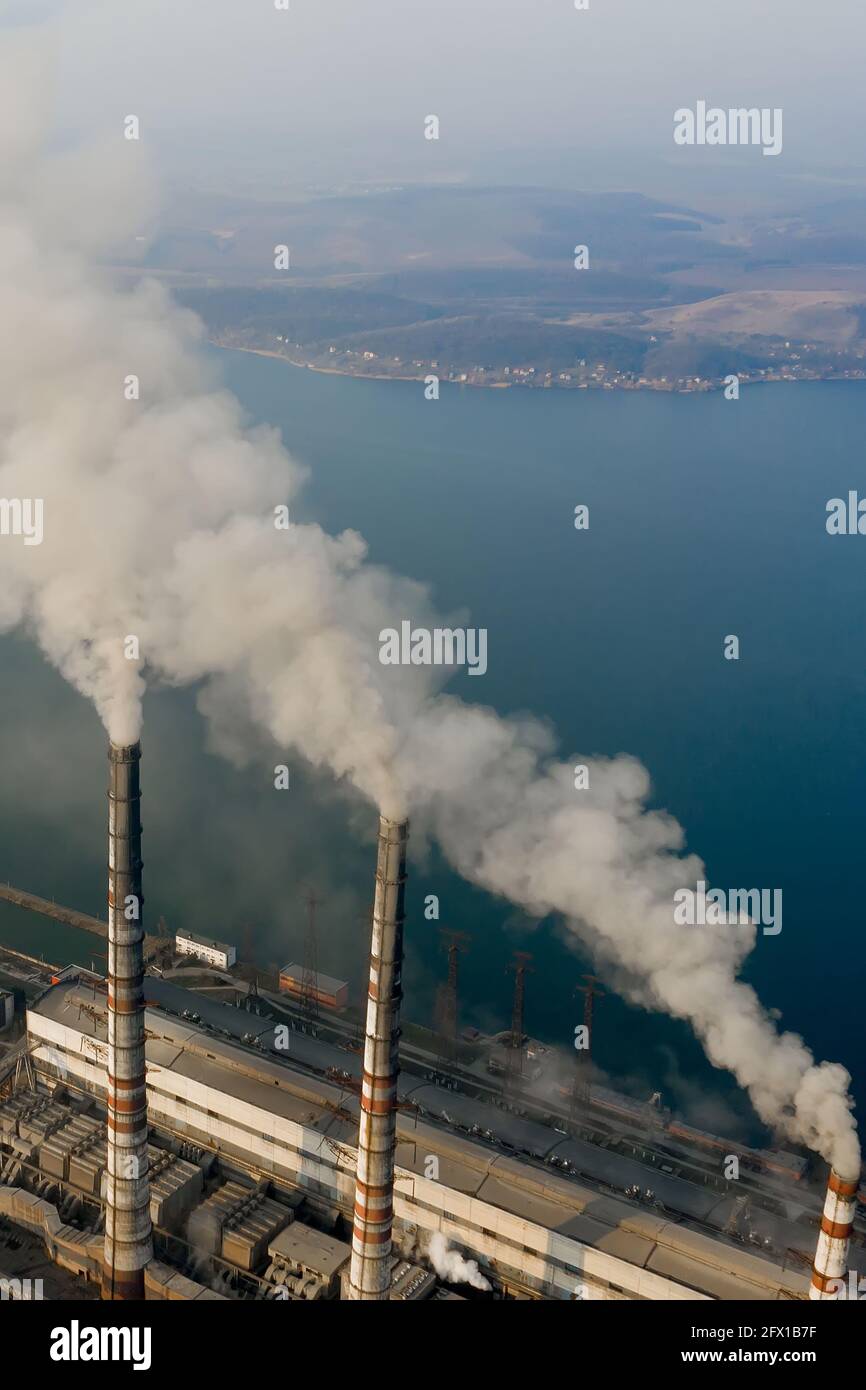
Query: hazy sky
{"type": "Point", "coordinates": [338, 89]}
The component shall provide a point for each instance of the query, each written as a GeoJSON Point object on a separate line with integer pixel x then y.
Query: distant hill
{"type": "Point", "coordinates": [483, 281]}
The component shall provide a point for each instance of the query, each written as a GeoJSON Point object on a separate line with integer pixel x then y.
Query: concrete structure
{"type": "Point", "coordinates": [128, 1242]}
{"type": "Point", "coordinates": [216, 953]}
{"type": "Point", "coordinates": [72, 1148]}
{"type": "Point", "coordinates": [307, 1261]}
{"type": "Point", "coordinates": [7, 1008]}
{"type": "Point", "coordinates": [370, 1273]}
{"type": "Point", "coordinates": [31, 903]}
{"type": "Point", "coordinates": [831, 1255]}
{"type": "Point", "coordinates": [237, 1223]}
{"type": "Point", "coordinates": [410, 1283]}
{"type": "Point", "coordinates": [243, 1238]}
{"type": "Point", "coordinates": [534, 1231]}
{"type": "Point", "coordinates": [79, 1254]}
{"type": "Point", "coordinates": [334, 994]}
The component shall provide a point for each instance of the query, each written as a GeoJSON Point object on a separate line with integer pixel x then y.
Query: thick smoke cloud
{"type": "Point", "coordinates": [159, 524]}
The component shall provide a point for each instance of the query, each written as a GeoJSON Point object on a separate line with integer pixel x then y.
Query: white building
{"type": "Point", "coordinates": [216, 953]}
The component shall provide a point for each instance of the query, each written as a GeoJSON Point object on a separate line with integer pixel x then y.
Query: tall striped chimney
{"type": "Point", "coordinates": [831, 1256]}
{"type": "Point", "coordinates": [128, 1240]}
{"type": "Point", "coordinates": [370, 1270]}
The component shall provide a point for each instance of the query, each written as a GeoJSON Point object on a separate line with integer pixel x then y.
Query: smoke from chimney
{"type": "Point", "coordinates": [453, 1267]}
{"type": "Point", "coordinates": [160, 525]}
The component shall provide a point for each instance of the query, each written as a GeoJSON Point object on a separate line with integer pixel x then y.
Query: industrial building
{"type": "Point", "coordinates": [324, 989]}
{"type": "Point", "coordinates": [219, 954]}
{"type": "Point", "coordinates": [534, 1232]}
{"type": "Point", "coordinates": [157, 1143]}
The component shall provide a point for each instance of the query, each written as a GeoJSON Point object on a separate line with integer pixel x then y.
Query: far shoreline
{"type": "Point", "coordinates": [657, 387]}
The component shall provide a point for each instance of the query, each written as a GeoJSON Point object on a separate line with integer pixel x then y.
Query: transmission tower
{"type": "Point", "coordinates": [581, 1089]}
{"type": "Point", "coordinates": [250, 1000]}
{"type": "Point", "coordinates": [520, 966]}
{"type": "Point", "coordinates": [454, 942]}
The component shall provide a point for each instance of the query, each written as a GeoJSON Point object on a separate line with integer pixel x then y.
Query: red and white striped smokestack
{"type": "Point", "coordinates": [128, 1238]}
{"type": "Point", "coordinates": [370, 1271]}
{"type": "Point", "coordinates": [831, 1256]}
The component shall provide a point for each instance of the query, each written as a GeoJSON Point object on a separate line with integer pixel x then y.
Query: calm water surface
{"type": "Point", "coordinates": [706, 518]}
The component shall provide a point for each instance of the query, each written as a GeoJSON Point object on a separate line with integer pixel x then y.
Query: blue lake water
{"type": "Point", "coordinates": [707, 518]}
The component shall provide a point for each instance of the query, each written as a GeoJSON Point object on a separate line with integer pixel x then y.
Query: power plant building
{"type": "Point", "coordinates": [138, 1121]}
{"type": "Point", "coordinates": [534, 1233]}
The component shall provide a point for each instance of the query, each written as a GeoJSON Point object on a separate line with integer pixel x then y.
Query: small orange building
{"type": "Point", "coordinates": [331, 993]}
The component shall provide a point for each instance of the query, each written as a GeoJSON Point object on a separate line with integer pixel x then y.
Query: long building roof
{"type": "Point", "coordinates": [568, 1206]}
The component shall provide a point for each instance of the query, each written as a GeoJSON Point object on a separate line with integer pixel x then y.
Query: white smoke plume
{"type": "Point", "coordinates": [159, 525]}
{"type": "Point", "coordinates": [453, 1267]}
